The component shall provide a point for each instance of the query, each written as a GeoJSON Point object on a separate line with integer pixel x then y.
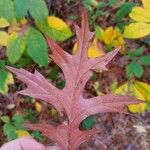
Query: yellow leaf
{"type": "Point", "coordinates": [141, 91]}
{"type": "Point", "coordinates": [140, 14]}
{"type": "Point", "coordinates": [138, 89]}
{"type": "Point", "coordinates": [23, 21]}
{"type": "Point", "coordinates": [96, 87]}
{"type": "Point", "coordinates": [124, 89]}
{"type": "Point", "coordinates": [109, 35]}
{"type": "Point", "coordinates": [6, 78]}
{"type": "Point", "coordinates": [3, 38]}
{"type": "Point", "coordinates": [56, 23]}
{"type": "Point", "coordinates": [114, 85]}
{"type": "Point", "coordinates": [144, 89]}
{"type": "Point", "coordinates": [74, 50]}
{"type": "Point", "coordinates": [10, 79]}
{"type": "Point", "coordinates": [94, 50]}
{"type": "Point", "coordinates": [3, 23]}
{"type": "Point", "coordinates": [15, 27]}
{"type": "Point", "coordinates": [146, 4]}
{"type": "Point", "coordinates": [120, 42]}
{"type": "Point", "coordinates": [38, 106]}
{"type": "Point", "coordinates": [137, 30]}
{"type": "Point", "coordinates": [138, 108]}
{"type": "Point", "coordinates": [54, 113]}
{"type": "Point", "coordinates": [22, 133]}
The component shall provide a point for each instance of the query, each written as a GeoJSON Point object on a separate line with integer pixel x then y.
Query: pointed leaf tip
{"type": "Point", "coordinates": [11, 69]}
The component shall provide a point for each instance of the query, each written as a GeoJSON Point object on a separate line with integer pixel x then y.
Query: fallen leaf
{"type": "Point", "coordinates": [109, 35]}
{"type": "Point", "coordinates": [77, 71]}
{"type": "Point", "coordinates": [112, 37]}
{"type": "Point", "coordinates": [138, 89]}
{"type": "Point", "coordinates": [22, 133]}
{"type": "Point", "coordinates": [137, 30]}
{"type": "Point", "coordinates": [140, 14]}
{"type": "Point", "coordinates": [99, 33]}
{"type": "Point", "coordinates": [6, 78]}
{"type": "Point", "coordinates": [94, 50]}
{"type": "Point", "coordinates": [140, 28]}
{"type": "Point", "coordinates": [96, 87]}
{"type": "Point", "coordinates": [38, 106]}
{"type": "Point", "coordinates": [12, 37]}
{"type": "Point", "coordinates": [4, 23]}
{"type": "Point", "coordinates": [54, 113]}
{"type": "Point", "coordinates": [4, 38]}
{"type": "Point", "coordinates": [14, 27]}
{"type": "Point", "coordinates": [23, 21]}
{"type": "Point", "coordinates": [146, 4]}
{"type": "Point", "coordinates": [59, 25]}
{"type": "Point", "coordinates": [26, 143]}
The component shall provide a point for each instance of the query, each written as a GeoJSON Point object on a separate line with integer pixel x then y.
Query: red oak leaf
{"type": "Point", "coordinates": [77, 70]}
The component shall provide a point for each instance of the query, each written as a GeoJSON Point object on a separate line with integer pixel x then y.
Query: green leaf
{"type": "Point", "coordinates": [55, 34]}
{"type": "Point", "coordinates": [88, 123]}
{"type": "Point", "coordinates": [38, 10]}
{"type": "Point", "coordinates": [112, 3]}
{"type": "Point", "coordinates": [37, 135]}
{"type": "Point", "coordinates": [134, 68]}
{"type": "Point", "coordinates": [94, 76]}
{"type": "Point", "coordinates": [53, 73]}
{"type": "Point", "coordinates": [73, 17]}
{"type": "Point", "coordinates": [124, 10]}
{"type": "Point", "coordinates": [17, 120]}
{"type": "Point", "coordinates": [148, 105]}
{"type": "Point", "coordinates": [137, 52]}
{"type": "Point", "coordinates": [12, 135]}
{"type": "Point", "coordinates": [24, 62]}
{"type": "Point", "coordinates": [138, 70]}
{"type": "Point", "coordinates": [89, 3]}
{"type": "Point", "coordinates": [30, 115]}
{"type": "Point", "coordinates": [8, 127]}
{"type": "Point", "coordinates": [130, 69]}
{"type": "Point", "coordinates": [15, 49]}
{"type": "Point", "coordinates": [37, 47]}
{"type": "Point", "coordinates": [2, 64]}
{"type": "Point", "coordinates": [7, 10]}
{"type": "Point", "coordinates": [21, 8]}
{"type": "Point", "coordinates": [145, 60]}
{"type": "Point", "coordinates": [101, 5]}
{"type": "Point", "coordinates": [5, 119]}
{"type": "Point", "coordinates": [10, 131]}
{"type": "Point", "coordinates": [5, 79]}
{"type": "Point", "coordinates": [99, 33]}
{"type": "Point", "coordinates": [121, 25]}
{"type": "Point", "coordinates": [61, 84]}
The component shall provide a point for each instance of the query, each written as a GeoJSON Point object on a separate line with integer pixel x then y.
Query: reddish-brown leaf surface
{"type": "Point", "coordinates": [77, 71]}
{"type": "Point", "coordinates": [23, 144]}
